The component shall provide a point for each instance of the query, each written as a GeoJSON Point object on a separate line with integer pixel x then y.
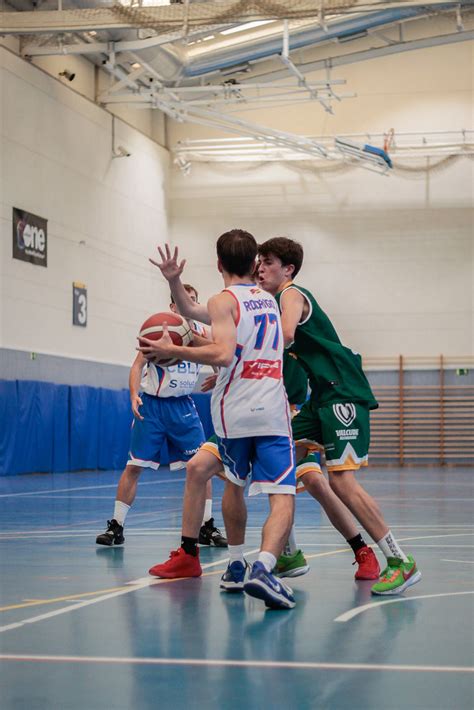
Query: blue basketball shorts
{"type": "Point", "coordinates": [267, 461]}
{"type": "Point", "coordinates": [173, 420]}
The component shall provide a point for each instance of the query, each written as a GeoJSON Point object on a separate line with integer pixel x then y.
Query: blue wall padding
{"type": "Point", "coordinates": [61, 429]}
{"type": "Point", "coordinates": [84, 428]}
{"type": "Point", "coordinates": [34, 441]}
{"type": "Point", "coordinates": [114, 428]}
{"type": "Point", "coordinates": [8, 425]}
{"type": "Point", "coordinates": [52, 428]}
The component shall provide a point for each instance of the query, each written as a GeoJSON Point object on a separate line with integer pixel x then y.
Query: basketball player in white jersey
{"type": "Point", "coordinates": [163, 411]}
{"type": "Point", "coordinates": [249, 396]}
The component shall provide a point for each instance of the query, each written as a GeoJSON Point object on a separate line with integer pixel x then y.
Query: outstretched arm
{"type": "Point", "coordinates": [172, 270]}
{"type": "Point", "coordinates": [219, 351]}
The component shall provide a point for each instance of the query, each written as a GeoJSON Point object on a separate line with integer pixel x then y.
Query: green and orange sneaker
{"type": "Point", "coordinates": [397, 576]}
{"type": "Point", "coordinates": [291, 565]}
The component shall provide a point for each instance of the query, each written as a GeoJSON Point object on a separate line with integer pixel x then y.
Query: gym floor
{"type": "Point", "coordinates": [84, 626]}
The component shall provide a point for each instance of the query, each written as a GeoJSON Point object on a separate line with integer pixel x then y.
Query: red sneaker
{"type": "Point", "coordinates": [369, 567]}
{"type": "Point", "coordinates": [180, 564]}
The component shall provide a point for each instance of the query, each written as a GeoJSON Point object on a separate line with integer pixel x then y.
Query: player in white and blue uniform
{"type": "Point", "coordinates": [164, 412]}
{"type": "Point", "coordinates": [169, 415]}
{"type": "Point", "coordinates": [250, 414]}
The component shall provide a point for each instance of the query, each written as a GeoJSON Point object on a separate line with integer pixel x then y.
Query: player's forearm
{"type": "Point", "coordinates": [134, 380]}
{"type": "Point", "coordinates": [210, 354]}
{"type": "Point", "coordinates": [288, 338]}
{"type": "Point", "coordinates": [186, 306]}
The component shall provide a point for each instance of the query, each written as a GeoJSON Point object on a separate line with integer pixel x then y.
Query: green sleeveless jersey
{"type": "Point", "coordinates": [334, 371]}
{"type": "Point", "coordinates": [295, 379]}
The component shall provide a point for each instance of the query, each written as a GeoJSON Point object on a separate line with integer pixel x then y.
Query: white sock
{"type": "Point", "coordinates": [268, 560]}
{"type": "Point", "coordinates": [207, 510]}
{"type": "Point", "coordinates": [391, 548]}
{"type": "Point", "coordinates": [120, 511]}
{"type": "Point", "coordinates": [236, 553]}
{"type": "Point", "coordinates": [291, 546]}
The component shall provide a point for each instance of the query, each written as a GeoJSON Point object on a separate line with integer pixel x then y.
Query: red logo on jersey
{"type": "Point", "coordinates": [258, 369]}
{"type": "Point", "coordinates": [253, 291]}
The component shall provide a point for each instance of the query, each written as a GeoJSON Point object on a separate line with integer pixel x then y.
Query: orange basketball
{"type": "Point", "coordinates": [178, 328]}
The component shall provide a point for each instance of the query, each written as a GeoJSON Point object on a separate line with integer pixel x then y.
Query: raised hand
{"type": "Point", "coordinates": [169, 266]}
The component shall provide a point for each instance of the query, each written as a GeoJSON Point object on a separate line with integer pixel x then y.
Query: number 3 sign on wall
{"type": "Point", "coordinates": [79, 304]}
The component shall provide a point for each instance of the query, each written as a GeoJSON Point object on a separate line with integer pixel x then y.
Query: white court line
{"type": "Point", "coordinates": [144, 532]}
{"type": "Point", "coordinates": [135, 586]}
{"type": "Point", "coordinates": [402, 484]}
{"type": "Point", "coordinates": [237, 663]}
{"type": "Point", "coordinates": [465, 562]}
{"type": "Point", "coordinates": [104, 497]}
{"type": "Point", "coordinates": [456, 547]}
{"type": "Point", "coordinates": [404, 499]}
{"type": "Point", "coordinates": [468, 527]}
{"type": "Point", "coordinates": [86, 488]}
{"type": "Point", "coordinates": [348, 615]}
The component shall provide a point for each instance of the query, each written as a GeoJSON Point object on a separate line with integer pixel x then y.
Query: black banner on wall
{"type": "Point", "coordinates": [79, 304]}
{"type": "Point", "coordinates": [30, 237]}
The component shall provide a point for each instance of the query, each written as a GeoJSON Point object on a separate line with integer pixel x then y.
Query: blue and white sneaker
{"type": "Point", "coordinates": [264, 585]}
{"type": "Point", "coordinates": [233, 578]}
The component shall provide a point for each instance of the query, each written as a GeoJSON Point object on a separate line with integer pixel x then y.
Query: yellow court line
{"type": "Point", "coordinates": [205, 574]}
{"type": "Point", "coordinates": [37, 602]}
{"type": "Point", "coordinates": [41, 602]}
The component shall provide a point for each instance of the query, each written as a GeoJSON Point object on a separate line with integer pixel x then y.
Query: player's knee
{"type": "Point", "coordinates": [315, 483]}
{"type": "Point", "coordinates": [197, 471]}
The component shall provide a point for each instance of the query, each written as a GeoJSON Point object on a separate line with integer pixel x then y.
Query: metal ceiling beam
{"type": "Point", "coordinates": [32, 50]}
{"type": "Point", "coordinates": [53, 21]}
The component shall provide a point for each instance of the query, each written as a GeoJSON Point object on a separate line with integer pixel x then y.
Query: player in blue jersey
{"type": "Point", "coordinates": [163, 412]}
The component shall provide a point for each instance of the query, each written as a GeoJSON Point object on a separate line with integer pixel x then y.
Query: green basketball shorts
{"type": "Point", "coordinates": [343, 429]}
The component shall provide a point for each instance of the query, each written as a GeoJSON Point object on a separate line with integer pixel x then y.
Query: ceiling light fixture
{"type": "Point", "coordinates": [246, 26]}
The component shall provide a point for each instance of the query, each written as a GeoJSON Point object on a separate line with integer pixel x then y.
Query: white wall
{"type": "Point", "coordinates": [104, 218]}
{"type": "Point", "coordinates": [390, 259]}
{"type": "Point", "coordinates": [89, 80]}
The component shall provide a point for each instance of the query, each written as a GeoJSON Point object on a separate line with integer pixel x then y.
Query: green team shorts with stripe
{"type": "Point", "coordinates": [311, 462]}
{"type": "Point", "coordinates": [343, 429]}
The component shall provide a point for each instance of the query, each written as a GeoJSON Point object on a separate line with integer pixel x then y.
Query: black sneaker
{"type": "Point", "coordinates": [113, 535]}
{"type": "Point", "coordinates": [210, 535]}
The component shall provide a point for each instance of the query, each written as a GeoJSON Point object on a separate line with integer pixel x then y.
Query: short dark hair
{"type": "Point", "coordinates": [188, 288]}
{"type": "Point", "coordinates": [287, 250]}
{"type": "Point", "coordinates": [237, 251]}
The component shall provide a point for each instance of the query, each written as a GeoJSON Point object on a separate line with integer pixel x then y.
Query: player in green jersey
{"type": "Point", "coordinates": [337, 412]}
{"type": "Point", "coordinates": [206, 463]}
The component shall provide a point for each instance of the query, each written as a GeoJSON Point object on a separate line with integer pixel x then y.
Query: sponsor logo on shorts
{"type": "Point", "coordinates": [347, 434]}
{"type": "Point", "coordinates": [346, 413]}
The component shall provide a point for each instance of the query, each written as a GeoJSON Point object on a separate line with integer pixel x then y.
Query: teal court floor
{"type": "Point", "coordinates": [84, 627]}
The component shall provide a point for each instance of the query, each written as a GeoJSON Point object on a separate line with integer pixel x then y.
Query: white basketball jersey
{"type": "Point", "coordinates": [249, 398]}
{"type": "Point", "coordinates": [175, 380]}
